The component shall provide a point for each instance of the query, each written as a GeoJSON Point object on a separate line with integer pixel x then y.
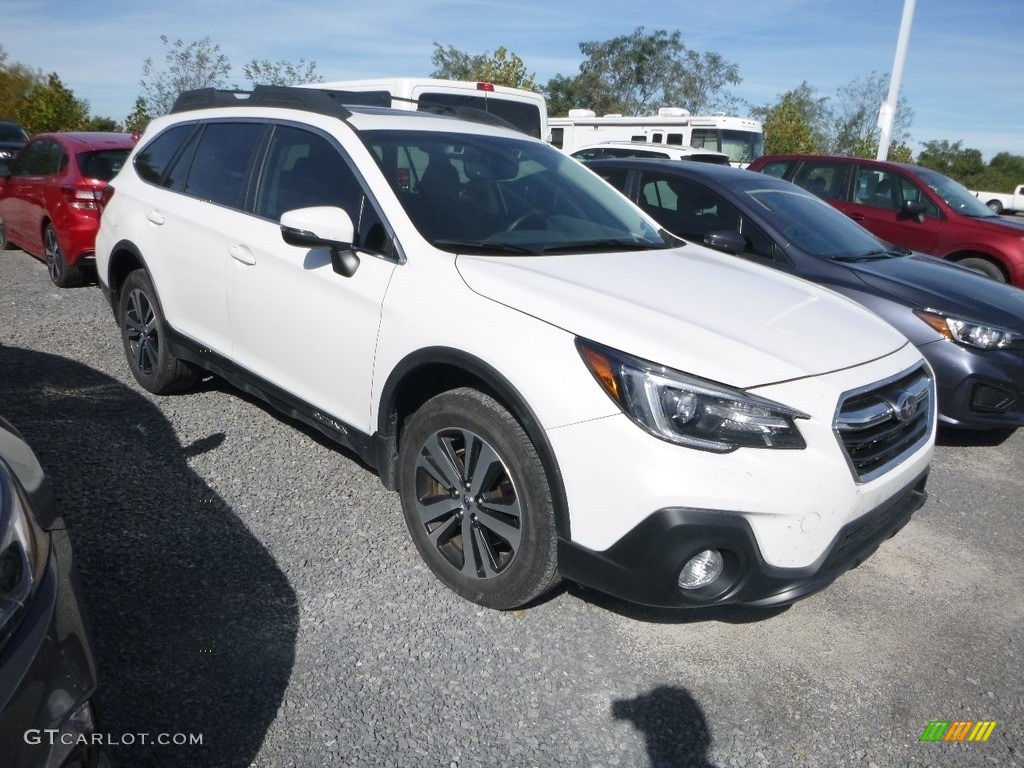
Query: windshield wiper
{"type": "Point", "coordinates": [880, 253]}
{"type": "Point", "coordinates": [485, 246]}
{"type": "Point", "coordinates": [606, 244]}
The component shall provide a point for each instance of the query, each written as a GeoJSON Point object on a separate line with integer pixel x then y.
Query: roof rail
{"type": "Point", "coordinates": [278, 96]}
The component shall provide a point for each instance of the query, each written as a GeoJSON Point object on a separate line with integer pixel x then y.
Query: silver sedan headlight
{"type": "Point", "coordinates": [689, 411]}
{"type": "Point", "coordinates": [971, 333]}
{"type": "Point", "coordinates": [22, 552]}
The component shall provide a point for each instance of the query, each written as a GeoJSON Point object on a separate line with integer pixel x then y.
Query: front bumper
{"type": "Point", "coordinates": [977, 389]}
{"type": "Point", "coordinates": [48, 676]}
{"type": "Point", "coordinates": [643, 567]}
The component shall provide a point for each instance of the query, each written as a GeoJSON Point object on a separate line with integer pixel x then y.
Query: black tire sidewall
{"type": "Point", "coordinates": [533, 570]}
{"type": "Point", "coordinates": [984, 267]}
{"type": "Point", "coordinates": [158, 382]}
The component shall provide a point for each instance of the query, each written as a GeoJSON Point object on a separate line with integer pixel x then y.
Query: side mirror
{"type": "Point", "coordinates": [728, 240]}
{"type": "Point", "coordinates": [913, 209]}
{"type": "Point", "coordinates": [323, 227]}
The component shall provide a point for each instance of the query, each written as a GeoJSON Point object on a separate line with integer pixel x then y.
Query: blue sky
{"type": "Point", "coordinates": [964, 74]}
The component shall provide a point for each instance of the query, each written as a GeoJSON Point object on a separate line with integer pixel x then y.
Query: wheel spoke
{"type": "Point", "coordinates": [485, 468]}
{"type": "Point", "coordinates": [502, 529]}
{"type": "Point", "coordinates": [443, 532]}
{"type": "Point", "coordinates": [488, 558]}
{"type": "Point", "coordinates": [435, 507]}
{"type": "Point", "coordinates": [439, 460]}
{"type": "Point", "coordinates": [470, 556]}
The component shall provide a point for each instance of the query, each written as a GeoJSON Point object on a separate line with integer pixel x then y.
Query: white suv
{"type": "Point", "coordinates": [554, 385]}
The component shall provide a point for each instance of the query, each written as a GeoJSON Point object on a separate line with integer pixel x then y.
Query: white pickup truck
{"type": "Point", "coordinates": [1002, 202]}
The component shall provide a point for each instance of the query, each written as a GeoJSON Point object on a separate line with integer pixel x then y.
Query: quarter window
{"type": "Point", "coordinates": [153, 160]}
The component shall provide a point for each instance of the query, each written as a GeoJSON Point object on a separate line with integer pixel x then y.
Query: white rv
{"type": "Point", "coordinates": [525, 110]}
{"type": "Point", "coordinates": [741, 138]}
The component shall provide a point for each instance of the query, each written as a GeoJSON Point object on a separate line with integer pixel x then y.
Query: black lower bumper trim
{"type": "Point", "coordinates": [643, 567]}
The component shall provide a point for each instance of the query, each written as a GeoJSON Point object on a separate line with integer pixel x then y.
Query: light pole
{"type": "Point", "coordinates": [888, 108]}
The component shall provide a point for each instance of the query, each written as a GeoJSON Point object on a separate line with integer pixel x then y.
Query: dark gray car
{"type": "Point", "coordinates": [47, 670]}
{"type": "Point", "coordinates": [969, 327]}
{"type": "Point", "coordinates": [12, 138]}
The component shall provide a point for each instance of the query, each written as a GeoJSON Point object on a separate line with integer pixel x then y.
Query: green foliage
{"type": "Point", "coordinates": [501, 68]}
{"type": "Point", "coordinates": [16, 80]}
{"type": "Point", "coordinates": [1002, 174]}
{"type": "Point", "coordinates": [199, 64]}
{"type": "Point", "coordinates": [139, 118]}
{"type": "Point", "coordinates": [106, 124]}
{"type": "Point", "coordinates": [795, 124]}
{"type": "Point", "coordinates": [266, 72]}
{"type": "Point", "coordinates": [638, 73]}
{"type": "Point", "coordinates": [51, 106]}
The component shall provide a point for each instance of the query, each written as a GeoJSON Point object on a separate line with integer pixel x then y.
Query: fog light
{"type": "Point", "coordinates": [701, 569]}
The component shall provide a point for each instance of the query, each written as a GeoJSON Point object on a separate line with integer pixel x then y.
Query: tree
{"type": "Point", "coordinates": [51, 106]}
{"type": "Point", "coordinates": [854, 127]}
{"type": "Point", "coordinates": [16, 80]}
{"type": "Point", "coordinates": [951, 159]}
{"type": "Point", "coordinates": [198, 64]}
{"type": "Point", "coordinates": [139, 118]}
{"type": "Point", "coordinates": [103, 124]}
{"type": "Point", "coordinates": [796, 123]}
{"type": "Point", "coordinates": [266, 72]}
{"type": "Point", "coordinates": [637, 73]}
{"type": "Point", "coordinates": [584, 91]}
{"type": "Point", "coordinates": [500, 68]}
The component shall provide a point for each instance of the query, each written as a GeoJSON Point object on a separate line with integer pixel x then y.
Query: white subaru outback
{"type": "Point", "coordinates": [555, 386]}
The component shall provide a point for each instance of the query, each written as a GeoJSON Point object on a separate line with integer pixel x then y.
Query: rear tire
{"type": "Point", "coordinates": [4, 244]}
{"type": "Point", "coordinates": [146, 344]}
{"type": "Point", "coordinates": [477, 500]}
{"type": "Point", "coordinates": [983, 266]}
{"type": "Point", "coordinates": [995, 206]}
{"type": "Point", "coordinates": [62, 274]}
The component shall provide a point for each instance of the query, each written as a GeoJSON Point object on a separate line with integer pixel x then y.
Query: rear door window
{"type": "Point", "coordinates": [223, 161]}
{"type": "Point", "coordinates": [828, 181]}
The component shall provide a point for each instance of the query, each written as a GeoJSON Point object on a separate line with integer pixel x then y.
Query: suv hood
{"type": "Point", "coordinates": [932, 283]}
{"type": "Point", "coordinates": [691, 309]}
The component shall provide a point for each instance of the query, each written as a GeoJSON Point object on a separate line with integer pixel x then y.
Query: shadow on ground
{"type": "Point", "coordinates": [194, 623]}
{"type": "Point", "coordinates": [673, 725]}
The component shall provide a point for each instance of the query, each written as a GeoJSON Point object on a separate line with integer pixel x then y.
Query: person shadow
{"type": "Point", "coordinates": [673, 725]}
{"type": "Point", "coordinates": [193, 623]}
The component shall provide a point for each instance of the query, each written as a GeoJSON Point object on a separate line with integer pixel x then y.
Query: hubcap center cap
{"type": "Point", "coordinates": [467, 503]}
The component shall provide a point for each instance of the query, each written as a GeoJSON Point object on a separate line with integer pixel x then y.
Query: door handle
{"type": "Point", "coordinates": [857, 216]}
{"type": "Point", "coordinates": [156, 217]}
{"type": "Point", "coordinates": [242, 254]}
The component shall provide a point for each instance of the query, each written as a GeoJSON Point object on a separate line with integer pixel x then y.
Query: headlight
{"type": "Point", "coordinates": [970, 333]}
{"type": "Point", "coordinates": [689, 411]}
{"type": "Point", "coordinates": [21, 552]}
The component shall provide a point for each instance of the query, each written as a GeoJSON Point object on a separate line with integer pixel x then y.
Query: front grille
{"type": "Point", "coordinates": [881, 425]}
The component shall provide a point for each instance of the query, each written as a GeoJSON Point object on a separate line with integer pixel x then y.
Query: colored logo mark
{"type": "Point", "coordinates": [958, 730]}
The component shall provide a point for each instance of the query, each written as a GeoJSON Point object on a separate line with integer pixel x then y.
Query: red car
{"type": "Point", "coordinates": [913, 207]}
{"type": "Point", "coordinates": [51, 195]}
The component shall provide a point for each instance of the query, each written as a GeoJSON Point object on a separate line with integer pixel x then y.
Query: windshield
{"type": "Point", "coordinates": [11, 132]}
{"type": "Point", "coordinates": [956, 195]}
{"type": "Point", "coordinates": [742, 147]}
{"type": "Point", "coordinates": [813, 226]}
{"type": "Point", "coordinates": [495, 194]}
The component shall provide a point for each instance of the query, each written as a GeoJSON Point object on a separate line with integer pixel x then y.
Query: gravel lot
{"type": "Point", "coordinates": [249, 583]}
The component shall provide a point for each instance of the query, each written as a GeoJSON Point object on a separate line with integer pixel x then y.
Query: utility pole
{"type": "Point", "coordinates": [888, 109]}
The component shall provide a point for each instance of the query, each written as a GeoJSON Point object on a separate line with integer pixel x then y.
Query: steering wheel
{"type": "Point", "coordinates": [532, 214]}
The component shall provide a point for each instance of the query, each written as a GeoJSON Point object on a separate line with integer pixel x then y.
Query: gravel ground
{"type": "Point", "coordinates": [248, 582]}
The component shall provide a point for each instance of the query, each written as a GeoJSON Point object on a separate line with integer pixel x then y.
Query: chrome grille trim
{"type": "Point", "coordinates": [879, 425]}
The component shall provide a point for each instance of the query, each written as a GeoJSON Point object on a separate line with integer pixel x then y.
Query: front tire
{"type": "Point", "coordinates": [983, 266]}
{"type": "Point", "coordinates": [477, 500]}
{"type": "Point", "coordinates": [62, 274]}
{"type": "Point", "coordinates": [146, 344]}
